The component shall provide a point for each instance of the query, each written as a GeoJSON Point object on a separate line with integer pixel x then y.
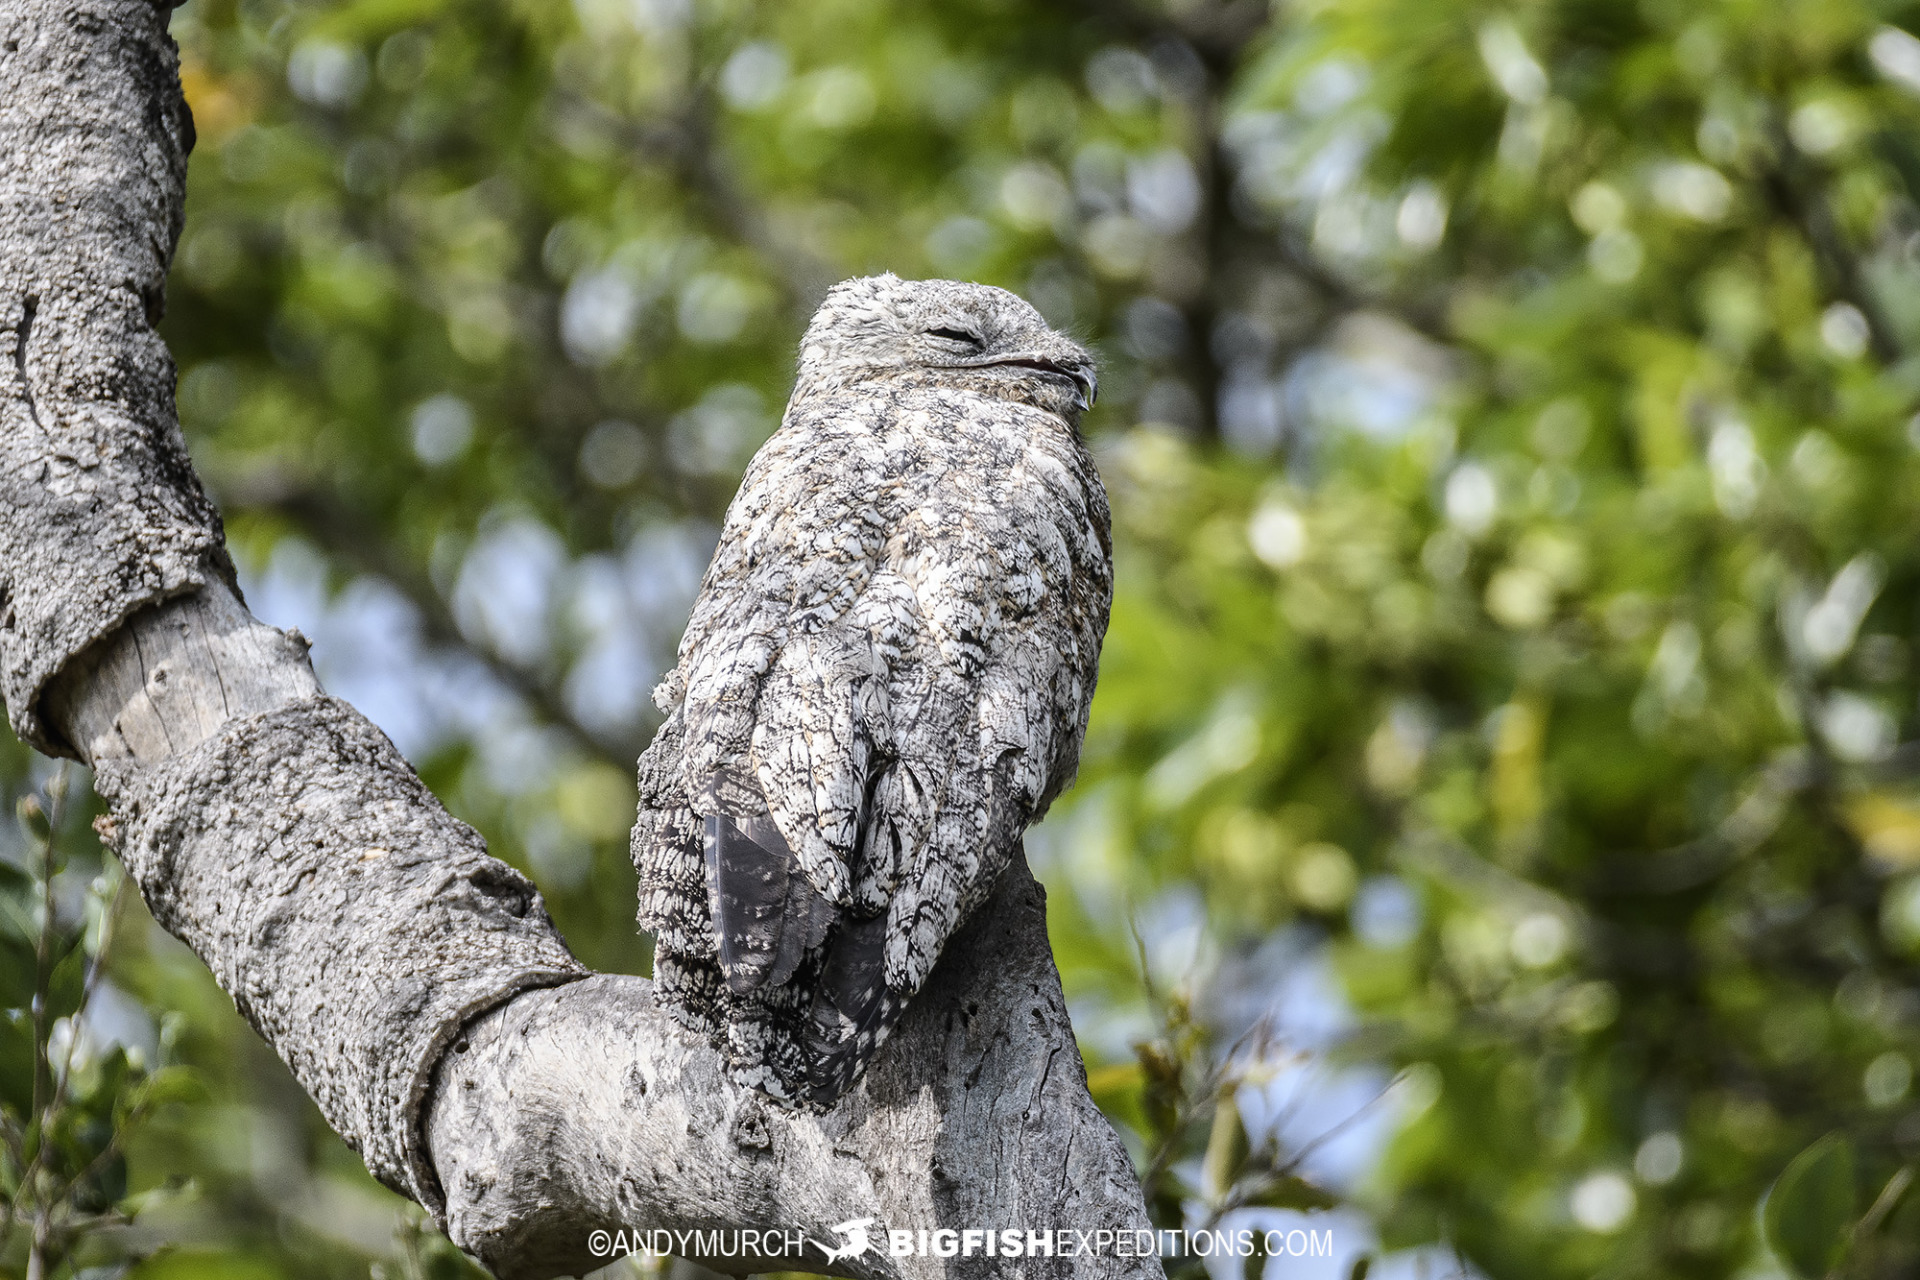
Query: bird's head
{"type": "Point", "coordinates": [949, 333]}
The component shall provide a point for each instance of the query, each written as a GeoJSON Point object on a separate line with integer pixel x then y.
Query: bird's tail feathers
{"type": "Point", "coordinates": [853, 1009]}
{"type": "Point", "coordinates": [765, 917]}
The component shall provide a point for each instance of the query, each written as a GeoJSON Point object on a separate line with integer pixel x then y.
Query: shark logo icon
{"type": "Point", "coordinates": [857, 1243]}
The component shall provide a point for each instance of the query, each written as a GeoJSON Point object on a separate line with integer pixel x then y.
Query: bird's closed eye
{"type": "Point", "coordinates": [957, 335]}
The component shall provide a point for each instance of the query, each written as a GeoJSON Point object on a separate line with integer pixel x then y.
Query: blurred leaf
{"type": "Point", "coordinates": [1888, 825]}
{"type": "Point", "coordinates": [16, 972]}
{"type": "Point", "coordinates": [1114, 1079]}
{"type": "Point", "coordinates": [18, 894]}
{"type": "Point", "coordinates": [67, 983]}
{"type": "Point", "coordinates": [33, 817]}
{"type": "Point", "coordinates": [1227, 1147]}
{"type": "Point", "coordinates": [1811, 1206]}
{"type": "Point", "coordinates": [1291, 1191]}
{"type": "Point", "coordinates": [16, 1061]}
{"type": "Point", "coordinates": [104, 1188]}
{"type": "Point", "coordinates": [203, 1264]}
{"type": "Point", "coordinates": [596, 801]}
{"type": "Point", "coordinates": [97, 1088]}
{"type": "Point", "coordinates": [1118, 1090]}
{"type": "Point", "coordinates": [1163, 1089]}
{"type": "Point", "coordinates": [169, 1085]}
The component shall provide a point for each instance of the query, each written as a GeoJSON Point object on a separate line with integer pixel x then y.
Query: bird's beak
{"type": "Point", "coordinates": [1078, 370]}
{"type": "Point", "coordinates": [1075, 367]}
{"type": "Point", "coordinates": [1086, 387]}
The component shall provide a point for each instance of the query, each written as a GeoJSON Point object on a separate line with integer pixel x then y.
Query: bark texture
{"type": "Point", "coordinates": [104, 513]}
{"type": "Point", "coordinates": [975, 1113]}
{"type": "Point", "coordinates": [356, 924]}
{"type": "Point", "coordinates": [414, 985]}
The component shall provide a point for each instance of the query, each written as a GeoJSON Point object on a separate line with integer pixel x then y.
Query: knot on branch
{"type": "Point", "coordinates": [750, 1132]}
{"type": "Point", "coordinates": [356, 923]}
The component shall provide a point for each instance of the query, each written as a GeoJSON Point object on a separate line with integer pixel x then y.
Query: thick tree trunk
{"type": "Point", "coordinates": [413, 984]}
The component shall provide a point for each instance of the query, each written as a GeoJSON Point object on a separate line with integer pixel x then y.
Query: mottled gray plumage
{"type": "Point", "coordinates": [885, 679]}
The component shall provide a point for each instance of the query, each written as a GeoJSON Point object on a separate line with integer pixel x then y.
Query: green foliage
{"type": "Point", "coordinates": [68, 1102]}
{"type": "Point", "coordinates": [1810, 1210]}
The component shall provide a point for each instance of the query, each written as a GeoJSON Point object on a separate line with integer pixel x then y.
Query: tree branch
{"type": "Point", "coordinates": [413, 984]}
{"type": "Point", "coordinates": [975, 1114]}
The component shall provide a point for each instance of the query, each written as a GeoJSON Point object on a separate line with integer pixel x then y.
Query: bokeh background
{"type": "Point", "coordinates": [1498, 842]}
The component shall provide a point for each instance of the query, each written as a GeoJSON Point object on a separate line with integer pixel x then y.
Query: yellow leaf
{"type": "Point", "coordinates": [1889, 826]}
{"type": "Point", "coordinates": [217, 109]}
{"type": "Point", "coordinates": [1227, 1147]}
{"type": "Point", "coordinates": [596, 801]}
{"type": "Point", "coordinates": [1115, 1079]}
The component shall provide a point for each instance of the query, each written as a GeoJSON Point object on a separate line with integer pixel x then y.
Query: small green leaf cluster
{"type": "Point", "coordinates": [70, 1096]}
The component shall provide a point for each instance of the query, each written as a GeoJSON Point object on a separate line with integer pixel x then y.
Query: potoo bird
{"type": "Point", "coordinates": [885, 679]}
